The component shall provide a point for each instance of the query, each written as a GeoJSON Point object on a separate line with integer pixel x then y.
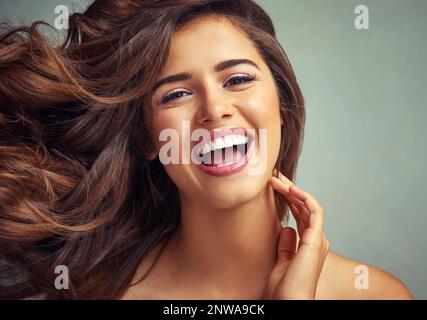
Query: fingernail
{"type": "Point", "coordinates": [280, 181]}
{"type": "Point", "coordinates": [275, 180]}
{"type": "Point", "coordinates": [295, 187]}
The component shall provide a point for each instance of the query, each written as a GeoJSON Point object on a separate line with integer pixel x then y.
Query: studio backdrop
{"type": "Point", "coordinates": [361, 67]}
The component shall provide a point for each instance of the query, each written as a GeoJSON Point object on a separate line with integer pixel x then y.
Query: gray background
{"type": "Point", "coordinates": [363, 158]}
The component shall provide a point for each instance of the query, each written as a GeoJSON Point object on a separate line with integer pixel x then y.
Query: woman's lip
{"type": "Point", "coordinates": [227, 169]}
{"type": "Point", "coordinates": [223, 132]}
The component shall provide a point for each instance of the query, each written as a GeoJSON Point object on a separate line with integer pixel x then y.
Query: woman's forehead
{"type": "Point", "coordinates": [205, 42]}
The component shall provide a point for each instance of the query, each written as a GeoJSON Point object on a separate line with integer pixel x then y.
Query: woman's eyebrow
{"type": "Point", "coordinates": [218, 67]}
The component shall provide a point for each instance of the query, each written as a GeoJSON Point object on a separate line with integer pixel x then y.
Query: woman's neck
{"type": "Point", "coordinates": [228, 253]}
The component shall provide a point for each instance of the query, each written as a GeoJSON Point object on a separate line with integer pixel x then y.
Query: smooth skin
{"type": "Point", "coordinates": [305, 268]}
{"type": "Point", "coordinates": [300, 262]}
{"type": "Point", "coordinates": [301, 271]}
{"type": "Point", "coordinates": [230, 243]}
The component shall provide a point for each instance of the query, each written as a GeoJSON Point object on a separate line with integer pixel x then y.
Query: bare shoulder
{"type": "Point", "coordinates": [344, 278]}
{"type": "Point", "coordinates": [145, 281]}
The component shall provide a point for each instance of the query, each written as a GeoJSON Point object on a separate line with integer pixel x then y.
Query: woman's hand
{"type": "Point", "coordinates": [298, 266]}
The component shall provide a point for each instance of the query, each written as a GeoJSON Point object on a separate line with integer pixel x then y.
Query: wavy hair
{"type": "Point", "coordinates": [76, 186]}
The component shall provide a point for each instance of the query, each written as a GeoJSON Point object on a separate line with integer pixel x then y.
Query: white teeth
{"type": "Point", "coordinates": [218, 144]}
{"type": "Point", "coordinates": [228, 141]}
{"type": "Point", "coordinates": [206, 148]}
{"type": "Point", "coordinates": [236, 139]}
{"type": "Point", "coordinates": [224, 142]}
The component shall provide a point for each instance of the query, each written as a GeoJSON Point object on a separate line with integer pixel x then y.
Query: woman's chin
{"type": "Point", "coordinates": [230, 196]}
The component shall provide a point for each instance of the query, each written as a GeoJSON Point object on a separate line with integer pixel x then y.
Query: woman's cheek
{"type": "Point", "coordinates": [161, 123]}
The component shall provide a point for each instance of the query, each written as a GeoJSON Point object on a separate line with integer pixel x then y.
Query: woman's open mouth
{"type": "Point", "coordinates": [228, 152]}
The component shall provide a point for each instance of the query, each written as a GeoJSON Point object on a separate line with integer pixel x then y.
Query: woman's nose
{"type": "Point", "coordinates": [214, 108]}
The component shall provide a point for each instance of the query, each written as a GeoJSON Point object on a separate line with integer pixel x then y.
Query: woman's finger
{"type": "Point", "coordinates": [297, 215]}
{"type": "Point", "coordinates": [314, 212]}
{"type": "Point", "coordinates": [305, 197]}
{"type": "Point", "coordinates": [297, 207]}
{"type": "Point", "coordinates": [304, 213]}
{"type": "Point", "coordinates": [280, 186]}
{"type": "Point", "coordinates": [284, 188]}
{"type": "Point", "coordinates": [287, 245]}
{"type": "Point", "coordinates": [300, 194]}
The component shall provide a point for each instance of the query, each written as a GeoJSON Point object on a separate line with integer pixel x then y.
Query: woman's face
{"type": "Point", "coordinates": [214, 98]}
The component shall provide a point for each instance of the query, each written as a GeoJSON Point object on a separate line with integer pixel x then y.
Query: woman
{"type": "Point", "coordinates": [85, 182]}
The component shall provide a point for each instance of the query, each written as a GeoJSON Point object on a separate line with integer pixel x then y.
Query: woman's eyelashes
{"type": "Point", "coordinates": [233, 81]}
{"type": "Point", "coordinates": [173, 95]}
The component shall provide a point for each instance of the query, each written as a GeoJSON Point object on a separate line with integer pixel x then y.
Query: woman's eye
{"type": "Point", "coordinates": [235, 81]}
{"type": "Point", "coordinates": [174, 95]}
{"type": "Point", "coordinates": [240, 79]}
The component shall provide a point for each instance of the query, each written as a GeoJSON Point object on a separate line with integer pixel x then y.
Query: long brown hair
{"type": "Point", "coordinates": [76, 187]}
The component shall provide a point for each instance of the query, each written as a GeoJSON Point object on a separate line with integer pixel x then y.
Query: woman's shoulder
{"type": "Point", "coordinates": [341, 279]}
{"type": "Point", "coordinates": [344, 278]}
{"type": "Point", "coordinates": [146, 277]}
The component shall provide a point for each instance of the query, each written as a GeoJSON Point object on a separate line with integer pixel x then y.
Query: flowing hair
{"type": "Point", "coordinates": [76, 185]}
